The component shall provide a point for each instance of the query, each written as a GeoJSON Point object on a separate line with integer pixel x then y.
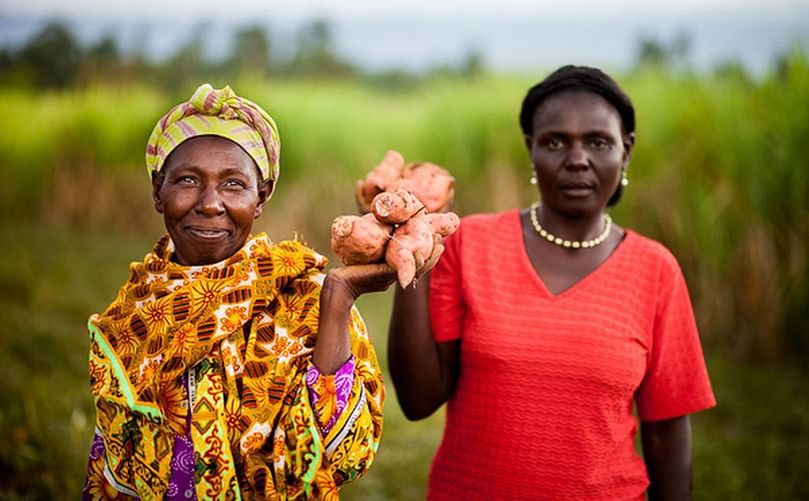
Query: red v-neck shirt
{"type": "Point", "coordinates": [543, 406]}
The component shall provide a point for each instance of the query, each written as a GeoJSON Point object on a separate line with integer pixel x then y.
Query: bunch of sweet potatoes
{"type": "Point", "coordinates": [432, 185]}
{"type": "Point", "coordinates": [399, 228]}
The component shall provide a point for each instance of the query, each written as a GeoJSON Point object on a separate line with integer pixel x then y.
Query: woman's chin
{"type": "Point", "coordinates": [204, 253]}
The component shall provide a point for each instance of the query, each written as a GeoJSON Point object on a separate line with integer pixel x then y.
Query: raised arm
{"type": "Point", "coordinates": [341, 288]}
{"type": "Point", "coordinates": [345, 393]}
{"type": "Point", "coordinates": [667, 452]}
{"type": "Point", "coordinates": [424, 372]}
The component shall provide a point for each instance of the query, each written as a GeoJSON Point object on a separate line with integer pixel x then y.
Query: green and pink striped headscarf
{"type": "Point", "coordinates": [218, 112]}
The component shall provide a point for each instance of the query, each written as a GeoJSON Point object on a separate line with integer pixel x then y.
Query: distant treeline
{"type": "Point", "coordinates": [54, 57]}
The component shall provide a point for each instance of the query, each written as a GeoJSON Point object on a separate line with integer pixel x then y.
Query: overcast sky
{"type": "Point", "coordinates": [511, 34]}
{"type": "Point", "coordinates": [242, 9]}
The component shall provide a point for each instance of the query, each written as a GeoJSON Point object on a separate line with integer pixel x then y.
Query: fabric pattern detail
{"type": "Point", "coordinates": [352, 417]}
{"type": "Point", "coordinates": [329, 394]}
{"type": "Point", "coordinates": [246, 326]}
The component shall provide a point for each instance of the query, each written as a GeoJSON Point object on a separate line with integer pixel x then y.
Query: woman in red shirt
{"type": "Point", "coordinates": [543, 328]}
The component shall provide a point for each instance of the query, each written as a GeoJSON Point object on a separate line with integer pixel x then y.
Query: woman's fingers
{"type": "Point", "coordinates": [364, 278]}
{"type": "Point", "coordinates": [438, 249]}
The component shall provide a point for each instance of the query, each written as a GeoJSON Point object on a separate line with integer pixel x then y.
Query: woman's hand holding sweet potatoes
{"type": "Point", "coordinates": [359, 279]}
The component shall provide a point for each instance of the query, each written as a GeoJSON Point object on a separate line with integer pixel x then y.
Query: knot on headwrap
{"type": "Point", "coordinates": [210, 101]}
{"type": "Point", "coordinates": [218, 112]}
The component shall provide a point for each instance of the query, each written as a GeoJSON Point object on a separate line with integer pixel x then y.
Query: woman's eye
{"type": "Point", "coordinates": [600, 143]}
{"type": "Point", "coordinates": [234, 183]}
{"type": "Point", "coordinates": [186, 180]}
{"type": "Point", "coordinates": [553, 143]}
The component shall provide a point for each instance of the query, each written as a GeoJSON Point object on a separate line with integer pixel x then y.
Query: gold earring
{"type": "Point", "coordinates": [624, 179]}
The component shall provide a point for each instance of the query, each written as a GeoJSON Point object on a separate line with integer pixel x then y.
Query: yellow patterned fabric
{"type": "Point", "coordinates": [242, 331]}
{"type": "Point", "coordinates": [218, 112]}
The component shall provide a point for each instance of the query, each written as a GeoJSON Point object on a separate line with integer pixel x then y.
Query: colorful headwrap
{"type": "Point", "coordinates": [218, 112]}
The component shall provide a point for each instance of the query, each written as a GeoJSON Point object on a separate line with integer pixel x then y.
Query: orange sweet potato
{"type": "Point", "coordinates": [384, 176]}
{"type": "Point", "coordinates": [408, 198]}
{"type": "Point", "coordinates": [359, 240]}
{"type": "Point", "coordinates": [395, 207]}
{"type": "Point", "coordinates": [411, 245]}
{"type": "Point", "coordinates": [444, 223]}
{"type": "Point", "coordinates": [431, 184]}
{"type": "Point", "coordinates": [438, 249]}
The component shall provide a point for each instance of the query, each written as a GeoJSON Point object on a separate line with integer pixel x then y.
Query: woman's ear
{"type": "Point", "coordinates": [264, 191]}
{"type": "Point", "coordinates": [629, 145]}
{"type": "Point", "coordinates": [157, 184]}
{"type": "Point", "coordinates": [529, 142]}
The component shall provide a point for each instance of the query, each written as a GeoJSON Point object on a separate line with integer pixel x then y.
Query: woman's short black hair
{"type": "Point", "coordinates": [568, 78]}
{"type": "Point", "coordinates": [573, 78]}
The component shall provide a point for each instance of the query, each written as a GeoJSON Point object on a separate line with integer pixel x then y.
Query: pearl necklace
{"type": "Point", "coordinates": [570, 244]}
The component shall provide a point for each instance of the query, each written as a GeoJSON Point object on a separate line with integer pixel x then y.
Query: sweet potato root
{"type": "Point", "coordinates": [431, 184]}
{"type": "Point", "coordinates": [444, 223]}
{"type": "Point", "coordinates": [359, 240]}
{"type": "Point", "coordinates": [412, 247]}
{"type": "Point", "coordinates": [412, 243]}
{"type": "Point", "coordinates": [384, 176]}
{"type": "Point", "coordinates": [395, 207]}
{"type": "Point", "coordinates": [410, 199]}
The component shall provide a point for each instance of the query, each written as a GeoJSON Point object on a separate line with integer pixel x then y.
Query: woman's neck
{"type": "Point", "coordinates": [571, 227]}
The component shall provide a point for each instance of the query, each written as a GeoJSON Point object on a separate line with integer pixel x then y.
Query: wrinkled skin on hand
{"type": "Point", "coordinates": [361, 279]}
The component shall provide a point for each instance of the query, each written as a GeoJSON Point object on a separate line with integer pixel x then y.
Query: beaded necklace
{"type": "Point", "coordinates": [569, 244]}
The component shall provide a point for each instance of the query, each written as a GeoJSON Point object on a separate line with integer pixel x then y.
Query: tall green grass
{"type": "Point", "coordinates": [719, 175]}
{"type": "Point", "coordinates": [719, 172]}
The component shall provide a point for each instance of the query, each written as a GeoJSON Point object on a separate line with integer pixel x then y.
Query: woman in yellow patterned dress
{"type": "Point", "coordinates": [230, 366]}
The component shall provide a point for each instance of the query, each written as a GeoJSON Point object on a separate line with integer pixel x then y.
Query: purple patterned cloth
{"type": "Point", "coordinates": [343, 380]}
{"type": "Point", "coordinates": [181, 482]}
{"type": "Point", "coordinates": [96, 451]}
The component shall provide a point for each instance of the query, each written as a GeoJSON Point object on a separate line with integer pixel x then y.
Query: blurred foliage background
{"type": "Point", "coordinates": [719, 175]}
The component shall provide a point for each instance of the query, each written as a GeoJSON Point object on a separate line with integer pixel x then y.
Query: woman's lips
{"type": "Point", "coordinates": [577, 190]}
{"type": "Point", "coordinates": [207, 233]}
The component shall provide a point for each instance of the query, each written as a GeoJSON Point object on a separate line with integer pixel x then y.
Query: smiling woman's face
{"type": "Point", "coordinates": [209, 194]}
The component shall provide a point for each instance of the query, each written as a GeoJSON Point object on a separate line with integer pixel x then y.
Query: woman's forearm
{"type": "Point", "coordinates": [667, 453]}
{"type": "Point", "coordinates": [341, 287]}
{"type": "Point", "coordinates": [423, 372]}
{"type": "Point", "coordinates": [333, 345]}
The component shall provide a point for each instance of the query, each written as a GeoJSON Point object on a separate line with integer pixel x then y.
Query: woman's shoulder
{"type": "Point", "coordinates": [486, 233]}
{"type": "Point", "coordinates": [262, 243]}
{"type": "Point", "coordinates": [290, 257]}
{"type": "Point", "coordinates": [486, 221]}
{"type": "Point", "coordinates": [646, 249]}
{"type": "Point", "coordinates": [292, 245]}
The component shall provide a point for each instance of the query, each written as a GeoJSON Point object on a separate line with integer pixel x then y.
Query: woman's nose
{"type": "Point", "coordinates": [210, 202]}
{"type": "Point", "coordinates": [577, 156]}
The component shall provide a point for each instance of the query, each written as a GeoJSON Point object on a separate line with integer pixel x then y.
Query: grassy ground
{"type": "Point", "coordinates": [752, 446]}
